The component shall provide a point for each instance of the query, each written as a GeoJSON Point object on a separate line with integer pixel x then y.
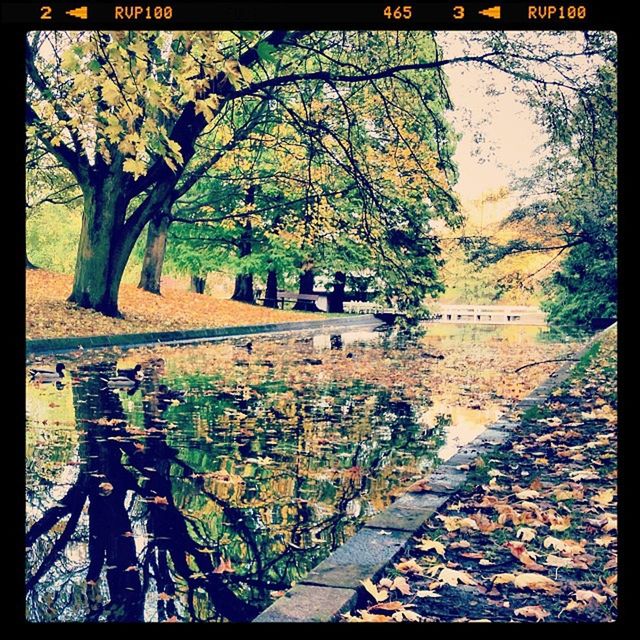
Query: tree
{"type": "Point", "coordinates": [575, 222]}
{"type": "Point", "coordinates": [122, 112]}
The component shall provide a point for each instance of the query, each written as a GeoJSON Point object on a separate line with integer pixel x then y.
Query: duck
{"type": "Point", "coordinates": [132, 374]}
{"type": "Point", "coordinates": [248, 346]}
{"type": "Point", "coordinates": [48, 375]}
{"type": "Point", "coordinates": [165, 393]}
{"type": "Point", "coordinates": [121, 382]}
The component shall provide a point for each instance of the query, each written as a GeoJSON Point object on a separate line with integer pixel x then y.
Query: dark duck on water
{"type": "Point", "coordinates": [132, 374]}
{"type": "Point", "coordinates": [48, 375]}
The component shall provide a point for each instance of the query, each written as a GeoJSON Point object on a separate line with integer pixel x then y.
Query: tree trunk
{"type": "Point", "coordinates": [307, 282]}
{"type": "Point", "coordinates": [102, 219]}
{"type": "Point", "coordinates": [243, 291]}
{"type": "Point", "coordinates": [271, 295]}
{"type": "Point", "coordinates": [336, 299]}
{"type": "Point", "coordinates": [28, 263]}
{"type": "Point", "coordinates": [198, 283]}
{"type": "Point", "coordinates": [154, 255]}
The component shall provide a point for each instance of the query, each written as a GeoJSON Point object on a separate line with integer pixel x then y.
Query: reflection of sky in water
{"type": "Point", "coordinates": [279, 451]}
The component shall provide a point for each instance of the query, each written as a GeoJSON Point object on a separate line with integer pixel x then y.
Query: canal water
{"type": "Point", "coordinates": [233, 467]}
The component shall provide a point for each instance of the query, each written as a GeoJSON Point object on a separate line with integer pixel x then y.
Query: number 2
{"type": "Point", "coordinates": [45, 13]}
{"type": "Point", "coordinates": [458, 12]}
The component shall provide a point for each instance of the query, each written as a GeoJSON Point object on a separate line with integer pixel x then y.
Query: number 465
{"type": "Point", "coordinates": [399, 13]}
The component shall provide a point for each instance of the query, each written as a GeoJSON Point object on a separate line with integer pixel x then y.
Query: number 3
{"type": "Point", "coordinates": [458, 12]}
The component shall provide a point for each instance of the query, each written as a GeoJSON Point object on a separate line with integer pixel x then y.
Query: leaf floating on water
{"type": "Point", "coordinates": [106, 488]}
{"type": "Point", "coordinates": [224, 567]}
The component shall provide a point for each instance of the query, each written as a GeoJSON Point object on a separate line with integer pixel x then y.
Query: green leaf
{"type": "Point", "coordinates": [94, 66]}
{"type": "Point", "coordinates": [265, 51]}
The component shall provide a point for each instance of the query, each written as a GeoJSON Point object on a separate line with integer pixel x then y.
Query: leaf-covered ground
{"type": "Point", "coordinates": [49, 315]}
{"type": "Point", "coordinates": [532, 536]}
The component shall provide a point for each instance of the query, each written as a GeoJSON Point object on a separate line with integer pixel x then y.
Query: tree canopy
{"type": "Point", "coordinates": [287, 153]}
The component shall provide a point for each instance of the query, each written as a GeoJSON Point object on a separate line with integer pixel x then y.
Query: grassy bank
{"type": "Point", "coordinates": [49, 315]}
{"type": "Point", "coordinates": [532, 536]}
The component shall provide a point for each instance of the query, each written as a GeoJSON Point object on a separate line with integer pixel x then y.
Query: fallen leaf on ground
{"type": "Point", "coordinates": [420, 486]}
{"type": "Point", "coordinates": [570, 547]}
{"type": "Point", "coordinates": [605, 541]}
{"type": "Point", "coordinates": [453, 523]}
{"type": "Point", "coordinates": [428, 545]}
{"type": "Point", "coordinates": [400, 584]}
{"type": "Point", "coordinates": [532, 611]}
{"type": "Point", "coordinates": [527, 494]}
{"type": "Point", "coordinates": [536, 582]}
{"type": "Point", "coordinates": [386, 606]}
{"type": "Point", "coordinates": [565, 563]}
{"type": "Point", "coordinates": [526, 534]}
{"type": "Point", "coordinates": [106, 488]}
{"type": "Point", "coordinates": [411, 616]}
{"type": "Point", "coordinates": [374, 592]}
{"type": "Point", "coordinates": [503, 578]}
{"type": "Point", "coordinates": [519, 551]}
{"type": "Point", "coordinates": [604, 497]}
{"type": "Point", "coordinates": [583, 595]}
{"type": "Point", "coordinates": [409, 566]}
{"type": "Point", "coordinates": [453, 577]}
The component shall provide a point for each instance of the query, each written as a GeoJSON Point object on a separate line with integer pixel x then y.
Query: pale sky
{"type": "Point", "coordinates": [486, 105]}
{"type": "Point", "coordinates": [510, 135]}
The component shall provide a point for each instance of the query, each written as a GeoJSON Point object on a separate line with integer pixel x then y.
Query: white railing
{"type": "Point", "coordinates": [483, 314]}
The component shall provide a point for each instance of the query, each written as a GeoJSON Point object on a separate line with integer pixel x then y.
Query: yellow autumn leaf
{"type": "Point", "coordinates": [379, 595]}
{"type": "Point", "coordinates": [570, 547]}
{"type": "Point", "coordinates": [532, 611]}
{"type": "Point", "coordinates": [536, 582]}
{"type": "Point", "coordinates": [604, 497]}
{"type": "Point", "coordinates": [428, 545]}
{"type": "Point", "coordinates": [409, 566]}
{"type": "Point", "coordinates": [111, 93]}
{"type": "Point", "coordinates": [526, 534]}
{"type": "Point", "coordinates": [605, 541]}
{"type": "Point", "coordinates": [582, 595]}
{"type": "Point", "coordinates": [136, 167]}
{"type": "Point", "coordinates": [557, 561]}
{"type": "Point", "coordinates": [453, 577]}
{"type": "Point", "coordinates": [453, 523]}
{"type": "Point", "coordinates": [400, 584]}
{"type": "Point", "coordinates": [527, 494]}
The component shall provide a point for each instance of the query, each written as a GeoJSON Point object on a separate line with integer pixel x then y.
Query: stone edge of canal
{"type": "Point", "coordinates": [55, 345]}
{"type": "Point", "coordinates": [332, 586]}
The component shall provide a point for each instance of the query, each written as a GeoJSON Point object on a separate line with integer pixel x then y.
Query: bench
{"type": "Point", "coordinates": [310, 301]}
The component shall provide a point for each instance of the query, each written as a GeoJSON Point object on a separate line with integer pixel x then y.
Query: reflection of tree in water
{"type": "Point", "coordinates": [145, 506]}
